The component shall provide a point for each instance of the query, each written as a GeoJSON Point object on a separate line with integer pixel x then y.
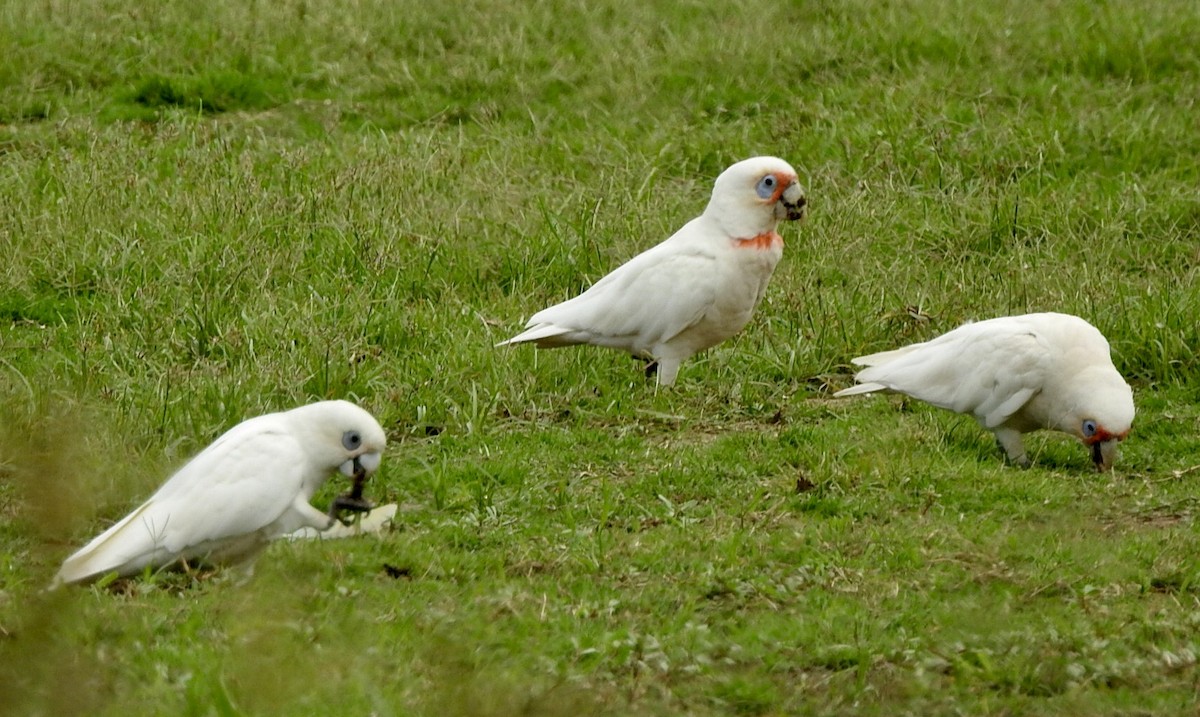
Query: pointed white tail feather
{"type": "Point", "coordinates": [878, 359]}
{"type": "Point", "coordinates": [860, 388]}
{"type": "Point", "coordinates": [536, 333]}
{"type": "Point", "coordinates": [111, 550]}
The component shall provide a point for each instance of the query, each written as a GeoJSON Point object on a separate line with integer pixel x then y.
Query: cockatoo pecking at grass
{"type": "Point", "coordinates": [1015, 374]}
{"type": "Point", "coordinates": [692, 291]}
{"type": "Point", "coordinates": [251, 485]}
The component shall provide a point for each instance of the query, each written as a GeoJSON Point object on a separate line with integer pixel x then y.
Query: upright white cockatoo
{"type": "Point", "coordinates": [1015, 374]}
{"type": "Point", "coordinates": [692, 291]}
{"type": "Point", "coordinates": [251, 485]}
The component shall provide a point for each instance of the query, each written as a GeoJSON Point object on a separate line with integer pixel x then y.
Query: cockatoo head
{"type": "Point", "coordinates": [341, 435]}
{"type": "Point", "coordinates": [751, 197]}
{"type": "Point", "coordinates": [1103, 413]}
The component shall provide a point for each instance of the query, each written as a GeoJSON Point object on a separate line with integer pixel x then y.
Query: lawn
{"type": "Point", "coordinates": [210, 211]}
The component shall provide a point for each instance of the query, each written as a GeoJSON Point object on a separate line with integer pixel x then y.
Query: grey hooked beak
{"type": "Point", "coordinates": [361, 465]}
{"type": "Point", "coordinates": [794, 202]}
{"type": "Point", "coordinates": [1104, 454]}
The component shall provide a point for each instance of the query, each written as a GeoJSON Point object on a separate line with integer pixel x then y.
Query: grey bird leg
{"type": "Point", "coordinates": [651, 365]}
{"type": "Point", "coordinates": [1010, 444]}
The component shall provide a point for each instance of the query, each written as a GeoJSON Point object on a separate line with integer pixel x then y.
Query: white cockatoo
{"type": "Point", "coordinates": [251, 485]}
{"type": "Point", "coordinates": [1015, 374]}
{"type": "Point", "coordinates": [692, 291]}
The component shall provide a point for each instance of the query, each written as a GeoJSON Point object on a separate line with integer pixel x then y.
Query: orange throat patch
{"type": "Point", "coordinates": [1103, 435]}
{"type": "Point", "coordinates": [766, 240]}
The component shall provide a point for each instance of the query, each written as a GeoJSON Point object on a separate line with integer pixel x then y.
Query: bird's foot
{"type": "Point", "coordinates": [348, 503]}
{"type": "Point", "coordinates": [1021, 460]}
{"type": "Point", "coordinates": [1012, 448]}
{"type": "Point", "coordinates": [353, 501]}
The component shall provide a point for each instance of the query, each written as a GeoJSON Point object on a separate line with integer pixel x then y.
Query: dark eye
{"type": "Point", "coordinates": [351, 440]}
{"type": "Point", "coordinates": [766, 186]}
{"type": "Point", "coordinates": [1089, 428]}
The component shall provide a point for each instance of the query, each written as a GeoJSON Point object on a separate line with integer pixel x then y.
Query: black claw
{"type": "Point", "coordinates": [348, 503]}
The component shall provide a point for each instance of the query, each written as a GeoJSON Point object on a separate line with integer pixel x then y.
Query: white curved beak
{"type": "Point", "coordinates": [368, 462]}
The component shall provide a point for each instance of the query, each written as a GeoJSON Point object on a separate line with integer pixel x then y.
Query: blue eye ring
{"type": "Point", "coordinates": [766, 187]}
{"type": "Point", "coordinates": [351, 440]}
{"type": "Point", "coordinates": [1089, 428]}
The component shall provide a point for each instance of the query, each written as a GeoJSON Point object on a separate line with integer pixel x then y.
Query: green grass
{"type": "Point", "coordinates": [212, 211]}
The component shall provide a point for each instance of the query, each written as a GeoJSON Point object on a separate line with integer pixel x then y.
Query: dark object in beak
{"type": "Point", "coordinates": [1097, 456]}
{"type": "Point", "coordinates": [352, 502]}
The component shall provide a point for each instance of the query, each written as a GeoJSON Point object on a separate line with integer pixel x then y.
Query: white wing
{"type": "Point", "coordinates": [989, 369]}
{"type": "Point", "coordinates": [644, 302]}
{"type": "Point", "coordinates": [245, 481]}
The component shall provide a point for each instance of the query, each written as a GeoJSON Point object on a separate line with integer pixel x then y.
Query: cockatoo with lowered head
{"type": "Point", "coordinates": [251, 485]}
{"type": "Point", "coordinates": [692, 291]}
{"type": "Point", "coordinates": [1015, 374]}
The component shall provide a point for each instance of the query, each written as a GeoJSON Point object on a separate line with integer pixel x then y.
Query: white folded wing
{"type": "Point", "coordinates": [989, 369]}
{"type": "Point", "coordinates": [240, 491]}
{"type": "Point", "coordinates": [641, 304]}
